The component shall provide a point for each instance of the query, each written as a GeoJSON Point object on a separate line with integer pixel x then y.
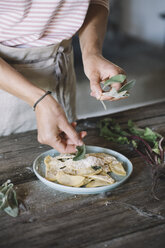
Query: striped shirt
{"type": "Point", "coordinates": [41, 22]}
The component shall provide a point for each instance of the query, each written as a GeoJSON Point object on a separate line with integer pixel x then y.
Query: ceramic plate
{"type": "Point", "coordinates": [39, 170]}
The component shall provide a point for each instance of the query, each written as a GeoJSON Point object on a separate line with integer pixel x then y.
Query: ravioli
{"type": "Point", "coordinates": [92, 171]}
{"type": "Point", "coordinates": [69, 180]}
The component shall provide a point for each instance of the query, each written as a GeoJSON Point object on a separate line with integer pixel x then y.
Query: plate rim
{"type": "Point", "coordinates": [78, 190]}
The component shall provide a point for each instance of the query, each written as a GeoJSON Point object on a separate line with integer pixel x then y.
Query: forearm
{"type": "Point", "coordinates": [91, 34]}
{"type": "Point", "coordinates": [52, 124]}
{"type": "Point", "coordinates": [15, 84]}
{"type": "Point", "coordinates": [96, 67]}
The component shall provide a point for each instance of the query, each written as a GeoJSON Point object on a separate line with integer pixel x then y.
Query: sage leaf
{"type": "Point", "coordinates": [12, 207]}
{"type": "Point", "coordinates": [127, 86]}
{"type": "Point", "coordinates": [8, 199]}
{"type": "Point", "coordinates": [81, 151]}
{"type": "Point", "coordinates": [120, 78]}
{"type": "Point", "coordinates": [96, 167]}
{"type": "Point", "coordinates": [122, 92]}
{"type": "Point", "coordinates": [11, 211]}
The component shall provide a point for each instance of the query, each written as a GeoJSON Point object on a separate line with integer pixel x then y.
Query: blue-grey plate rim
{"type": "Point", "coordinates": [38, 164]}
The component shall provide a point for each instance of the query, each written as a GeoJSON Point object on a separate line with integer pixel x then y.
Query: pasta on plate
{"type": "Point", "coordinates": [94, 170]}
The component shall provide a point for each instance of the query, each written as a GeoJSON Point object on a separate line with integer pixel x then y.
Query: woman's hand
{"type": "Point", "coordinates": [91, 36]}
{"type": "Point", "coordinates": [98, 69]}
{"type": "Point", "coordinates": [54, 129]}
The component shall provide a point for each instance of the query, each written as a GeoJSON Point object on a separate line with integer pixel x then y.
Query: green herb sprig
{"type": "Point", "coordinates": [146, 142]}
{"type": "Point", "coordinates": [96, 167]}
{"type": "Point", "coordinates": [122, 92]}
{"type": "Point", "coordinates": [8, 199]}
{"type": "Point", "coordinates": [81, 151]}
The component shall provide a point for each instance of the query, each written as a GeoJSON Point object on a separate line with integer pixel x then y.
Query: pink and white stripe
{"type": "Point", "coordinates": [41, 23]}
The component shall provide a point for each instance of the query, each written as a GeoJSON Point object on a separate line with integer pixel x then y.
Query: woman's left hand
{"type": "Point", "coordinates": [98, 69]}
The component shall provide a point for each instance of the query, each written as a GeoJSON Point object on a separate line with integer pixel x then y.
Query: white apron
{"type": "Point", "coordinates": [50, 68]}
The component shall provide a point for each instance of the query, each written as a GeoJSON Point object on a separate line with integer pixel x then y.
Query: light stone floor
{"type": "Point", "coordinates": [144, 64]}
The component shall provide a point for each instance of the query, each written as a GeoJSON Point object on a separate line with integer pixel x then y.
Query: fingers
{"type": "Point", "coordinates": [95, 86]}
{"type": "Point", "coordinates": [66, 145]}
{"type": "Point", "coordinates": [96, 90]}
{"type": "Point", "coordinates": [63, 147]}
{"type": "Point", "coordinates": [116, 86]}
{"type": "Point", "coordinates": [83, 134]}
{"type": "Point", "coordinates": [54, 129]}
{"type": "Point", "coordinates": [106, 98]}
{"type": "Point", "coordinates": [74, 124]}
{"type": "Point", "coordinates": [71, 133]}
{"type": "Point", "coordinates": [61, 143]}
{"type": "Point", "coordinates": [58, 142]}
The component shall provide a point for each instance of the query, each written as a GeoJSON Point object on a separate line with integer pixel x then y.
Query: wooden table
{"type": "Point", "coordinates": [126, 217]}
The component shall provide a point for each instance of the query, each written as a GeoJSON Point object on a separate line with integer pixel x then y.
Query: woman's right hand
{"type": "Point", "coordinates": [54, 128]}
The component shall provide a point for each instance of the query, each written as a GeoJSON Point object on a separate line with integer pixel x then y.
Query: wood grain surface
{"type": "Point", "coordinates": [125, 217]}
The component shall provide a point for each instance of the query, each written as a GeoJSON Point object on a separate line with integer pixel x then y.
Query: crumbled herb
{"type": "Point", "coordinates": [122, 92]}
{"type": "Point", "coordinates": [146, 142]}
{"type": "Point", "coordinates": [62, 167]}
{"type": "Point", "coordinates": [62, 159]}
{"type": "Point", "coordinates": [81, 151]}
{"type": "Point", "coordinates": [8, 199]}
{"type": "Point", "coordinates": [96, 167]}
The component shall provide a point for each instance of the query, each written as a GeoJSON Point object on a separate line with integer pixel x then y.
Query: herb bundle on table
{"type": "Point", "coordinates": [147, 143]}
{"type": "Point", "coordinates": [8, 199]}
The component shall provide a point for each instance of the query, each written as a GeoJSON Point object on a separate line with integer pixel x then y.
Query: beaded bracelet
{"type": "Point", "coordinates": [47, 93]}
